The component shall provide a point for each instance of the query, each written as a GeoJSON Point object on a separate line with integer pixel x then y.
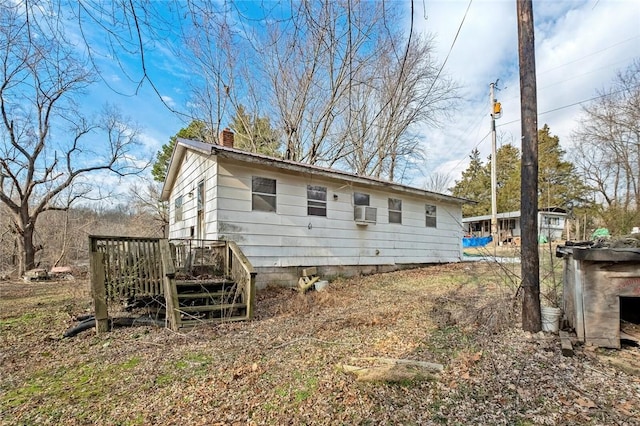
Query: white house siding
{"type": "Point", "coordinates": [551, 225]}
{"type": "Point", "coordinates": [289, 237]}
{"type": "Point", "coordinates": [194, 168]}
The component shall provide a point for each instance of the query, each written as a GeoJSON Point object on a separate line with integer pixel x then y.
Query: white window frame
{"type": "Point", "coordinates": [316, 206]}
{"type": "Point", "coordinates": [177, 211]}
{"type": "Point", "coordinates": [259, 198]}
{"type": "Point", "coordinates": [394, 213]}
{"type": "Point", "coordinates": [431, 215]}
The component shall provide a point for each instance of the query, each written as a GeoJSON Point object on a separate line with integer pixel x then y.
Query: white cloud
{"type": "Point", "coordinates": [149, 142]}
{"type": "Point", "coordinates": [579, 48]}
{"type": "Point", "coordinates": [169, 101]}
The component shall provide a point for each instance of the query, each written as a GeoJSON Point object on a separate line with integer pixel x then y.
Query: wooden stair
{"type": "Point", "coordinates": [185, 281]}
{"type": "Point", "coordinates": [219, 293]}
{"type": "Point", "coordinates": [213, 300]}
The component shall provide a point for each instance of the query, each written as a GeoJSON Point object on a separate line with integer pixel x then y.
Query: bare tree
{"type": "Point", "coordinates": [607, 143]}
{"type": "Point", "coordinates": [341, 83]}
{"type": "Point", "coordinates": [350, 89]}
{"type": "Point", "coordinates": [144, 199]}
{"type": "Point", "coordinates": [438, 182]}
{"type": "Point", "coordinates": [209, 50]}
{"type": "Point", "coordinates": [398, 94]}
{"type": "Point", "coordinates": [48, 146]}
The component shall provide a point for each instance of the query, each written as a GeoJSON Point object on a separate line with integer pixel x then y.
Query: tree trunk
{"type": "Point", "coordinates": [63, 250]}
{"type": "Point", "coordinates": [26, 250]}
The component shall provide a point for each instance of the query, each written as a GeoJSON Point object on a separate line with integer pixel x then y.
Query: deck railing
{"type": "Point", "coordinates": [190, 256]}
{"type": "Point", "coordinates": [125, 267]}
{"type": "Point", "coordinates": [241, 272]}
{"type": "Point", "coordinates": [132, 266]}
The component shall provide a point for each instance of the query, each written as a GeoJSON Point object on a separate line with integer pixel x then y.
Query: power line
{"type": "Point", "coordinates": [576, 103]}
{"type": "Point", "coordinates": [589, 55]}
{"type": "Point", "coordinates": [547, 112]}
{"type": "Point", "coordinates": [573, 77]}
{"type": "Point", "coordinates": [453, 43]}
{"type": "Point", "coordinates": [465, 157]}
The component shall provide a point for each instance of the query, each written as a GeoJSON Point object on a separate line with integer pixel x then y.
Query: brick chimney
{"type": "Point", "coordinates": [226, 138]}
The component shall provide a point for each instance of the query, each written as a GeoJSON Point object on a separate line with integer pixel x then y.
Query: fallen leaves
{"type": "Point", "coordinates": [280, 368]}
{"type": "Point", "coordinates": [585, 403]}
{"type": "Point", "coordinates": [380, 369]}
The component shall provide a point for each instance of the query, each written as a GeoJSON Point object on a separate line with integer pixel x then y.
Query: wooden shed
{"type": "Point", "coordinates": [601, 293]}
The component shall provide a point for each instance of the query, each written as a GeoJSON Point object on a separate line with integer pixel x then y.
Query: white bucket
{"type": "Point", "coordinates": [319, 285]}
{"type": "Point", "coordinates": [550, 319]}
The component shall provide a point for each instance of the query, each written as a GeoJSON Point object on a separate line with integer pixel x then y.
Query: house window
{"type": "Point", "coordinates": [360, 199]}
{"type": "Point", "coordinates": [200, 195]}
{"type": "Point", "coordinates": [430, 213]}
{"type": "Point", "coordinates": [395, 210]}
{"type": "Point", "coordinates": [316, 200]}
{"type": "Point", "coordinates": [263, 194]}
{"type": "Point", "coordinates": [507, 224]}
{"type": "Point", "coordinates": [177, 215]}
{"type": "Point", "coordinates": [552, 221]}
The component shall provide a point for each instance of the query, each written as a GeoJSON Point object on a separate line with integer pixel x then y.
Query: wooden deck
{"type": "Point", "coordinates": [191, 282]}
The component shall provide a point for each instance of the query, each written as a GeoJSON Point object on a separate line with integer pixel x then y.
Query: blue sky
{"type": "Point", "coordinates": [580, 45]}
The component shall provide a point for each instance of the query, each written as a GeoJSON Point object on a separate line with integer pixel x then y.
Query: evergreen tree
{"type": "Point", "coordinates": [475, 185]}
{"type": "Point", "coordinates": [254, 133]}
{"type": "Point", "coordinates": [196, 130]}
{"type": "Point", "coordinates": [508, 178]}
{"type": "Point", "coordinates": [558, 182]}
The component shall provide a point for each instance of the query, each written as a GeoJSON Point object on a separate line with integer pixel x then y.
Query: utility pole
{"type": "Point", "coordinates": [530, 260]}
{"type": "Point", "coordinates": [496, 111]}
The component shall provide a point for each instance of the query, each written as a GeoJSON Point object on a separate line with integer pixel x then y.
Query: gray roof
{"type": "Point", "coordinates": [182, 145]}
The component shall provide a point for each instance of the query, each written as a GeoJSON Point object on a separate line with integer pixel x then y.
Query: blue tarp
{"type": "Point", "coordinates": [476, 241]}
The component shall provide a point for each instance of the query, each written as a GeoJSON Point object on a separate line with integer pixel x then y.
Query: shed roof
{"type": "Point", "coordinates": [549, 211]}
{"type": "Point", "coordinates": [183, 145]}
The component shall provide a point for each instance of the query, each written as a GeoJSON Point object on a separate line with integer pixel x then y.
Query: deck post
{"type": "Point", "coordinates": [170, 290]}
{"type": "Point", "coordinates": [252, 295]}
{"type": "Point", "coordinates": [99, 292]}
{"type": "Point", "coordinates": [227, 259]}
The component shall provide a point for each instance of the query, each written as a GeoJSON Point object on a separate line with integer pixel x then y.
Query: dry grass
{"type": "Point", "coordinates": [281, 367]}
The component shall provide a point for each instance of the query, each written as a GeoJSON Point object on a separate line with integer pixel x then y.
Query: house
{"type": "Point", "coordinates": [286, 215]}
{"type": "Point", "coordinates": [551, 224]}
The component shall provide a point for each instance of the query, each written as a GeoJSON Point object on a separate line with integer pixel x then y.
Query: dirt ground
{"type": "Point", "coordinates": [283, 367]}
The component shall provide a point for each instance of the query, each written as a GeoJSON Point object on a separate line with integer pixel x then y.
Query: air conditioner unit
{"type": "Point", "coordinates": [365, 214]}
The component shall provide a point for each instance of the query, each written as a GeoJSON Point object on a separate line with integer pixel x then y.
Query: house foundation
{"type": "Point", "coordinates": [288, 276]}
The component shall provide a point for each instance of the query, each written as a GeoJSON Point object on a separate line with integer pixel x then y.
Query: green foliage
{"type": "Point", "coordinates": [618, 219]}
{"type": "Point", "coordinates": [254, 133]}
{"type": "Point", "coordinates": [507, 178]}
{"type": "Point", "coordinates": [558, 183]}
{"type": "Point", "coordinates": [196, 130]}
{"type": "Point", "coordinates": [474, 185]}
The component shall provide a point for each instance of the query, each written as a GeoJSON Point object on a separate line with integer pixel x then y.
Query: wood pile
{"type": "Point", "coordinates": [391, 370]}
{"type": "Point", "coordinates": [308, 279]}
